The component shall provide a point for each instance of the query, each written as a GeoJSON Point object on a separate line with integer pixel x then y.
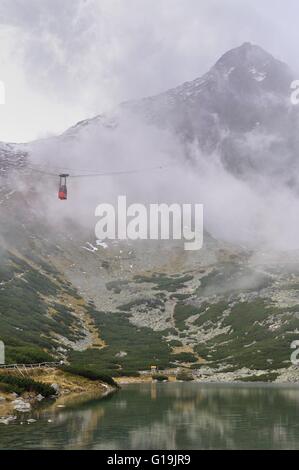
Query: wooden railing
{"type": "Point", "coordinates": [40, 365]}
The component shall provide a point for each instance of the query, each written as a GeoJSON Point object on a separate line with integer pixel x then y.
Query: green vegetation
{"type": "Point", "coordinates": [116, 286]}
{"type": "Point", "coordinates": [184, 357]}
{"type": "Point", "coordinates": [164, 282]}
{"type": "Point", "coordinates": [269, 377]}
{"type": "Point", "coordinates": [130, 373]}
{"type": "Point", "coordinates": [249, 342]}
{"type": "Point", "coordinates": [232, 277]}
{"type": "Point", "coordinates": [91, 375]}
{"type": "Point", "coordinates": [160, 377]}
{"type": "Point", "coordinates": [185, 376]}
{"type": "Point", "coordinates": [181, 313]}
{"type": "Point", "coordinates": [20, 385]}
{"type": "Point", "coordinates": [7, 388]}
{"type": "Point", "coordinates": [143, 347]}
{"type": "Point", "coordinates": [26, 327]}
{"type": "Point", "coordinates": [174, 343]}
{"type": "Point", "coordinates": [26, 355]}
{"type": "Point", "coordinates": [146, 303]}
{"type": "Point", "coordinates": [210, 313]}
{"type": "Point", "coordinates": [32, 318]}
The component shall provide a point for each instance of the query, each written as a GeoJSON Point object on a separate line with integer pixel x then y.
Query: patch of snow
{"type": "Point", "coordinates": [121, 354]}
{"type": "Point", "coordinates": [102, 244]}
{"type": "Point", "coordinates": [90, 247]}
{"type": "Point", "coordinates": [227, 74]}
{"type": "Point", "coordinates": [258, 76]}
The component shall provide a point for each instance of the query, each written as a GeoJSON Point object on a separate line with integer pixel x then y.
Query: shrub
{"type": "Point", "coordinates": [22, 384]}
{"type": "Point", "coordinates": [269, 377]}
{"type": "Point", "coordinates": [90, 374]}
{"type": "Point", "coordinates": [182, 312]}
{"type": "Point", "coordinates": [174, 343]}
{"type": "Point", "coordinates": [184, 376]}
{"type": "Point", "coordinates": [164, 282]}
{"type": "Point", "coordinates": [7, 388]}
{"type": "Point", "coordinates": [184, 357]}
{"type": "Point", "coordinates": [129, 373]}
{"type": "Point", "coordinates": [144, 347]}
{"type": "Point", "coordinates": [26, 355]}
{"type": "Point", "coordinates": [159, 377]}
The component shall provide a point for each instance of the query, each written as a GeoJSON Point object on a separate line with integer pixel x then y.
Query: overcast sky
{"type": "Point", "coordinates": [66, 60]}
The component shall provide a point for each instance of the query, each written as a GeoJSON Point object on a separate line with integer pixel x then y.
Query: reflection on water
{"type": "Point", "coordinates": [166, 416]}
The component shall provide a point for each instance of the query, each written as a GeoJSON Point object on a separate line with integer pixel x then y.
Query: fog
{"type": "Point", "coordinates": [259, 212]}
{"type": "Point", "coordinates": [94, 54]}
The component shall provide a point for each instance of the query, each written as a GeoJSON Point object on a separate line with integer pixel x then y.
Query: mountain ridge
{"type": "Point", "coordinates": [240, 110]}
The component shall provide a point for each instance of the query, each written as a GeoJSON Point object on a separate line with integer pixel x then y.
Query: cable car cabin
{"type": "Point", "coordinates": [62, 192]}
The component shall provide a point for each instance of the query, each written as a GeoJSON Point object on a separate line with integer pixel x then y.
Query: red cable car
{"type": "Point", "coordinates": [62, 193]}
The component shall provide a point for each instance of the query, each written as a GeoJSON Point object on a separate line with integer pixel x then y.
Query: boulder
{"type": "Point", "coordinates": [7, 419]}
{"type": "Point", "coordinates": [56, 388]}
{"type": "Point", "coordinates": [21, 405]}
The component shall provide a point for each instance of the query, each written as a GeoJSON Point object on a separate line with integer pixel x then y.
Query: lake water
{"type": "Point", "coordinates": [166, 416]}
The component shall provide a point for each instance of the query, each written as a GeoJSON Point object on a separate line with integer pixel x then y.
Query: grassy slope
{"type": "Point", "coordinates": [32, 311]}
{"type": "Point", "coordinates": [143, 347]}
{"type": "Point", "coordinates": [31, 288]}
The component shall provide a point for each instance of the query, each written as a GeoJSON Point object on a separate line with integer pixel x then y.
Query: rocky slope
{"type": "Point", "coordinates": [241, 109]}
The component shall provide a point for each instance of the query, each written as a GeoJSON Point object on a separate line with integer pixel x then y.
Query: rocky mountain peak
{"type": "Point", "coordinates": [240, 109]}
{"type": "Point", "coordinates": [246, 53]}
{"type": "Point", "coordinates": [250, 68]}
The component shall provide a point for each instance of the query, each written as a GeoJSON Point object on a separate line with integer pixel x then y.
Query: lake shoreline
{"type": "Point", "coordinates": [67, 386]}
{"type": "Point", "coordinates": [288, 375]}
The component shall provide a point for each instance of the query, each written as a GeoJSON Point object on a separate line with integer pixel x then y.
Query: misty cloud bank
{"type": "Point", "coordinates": [94, 54]}
{"type": "Point", "coordinates": [257, 212]}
